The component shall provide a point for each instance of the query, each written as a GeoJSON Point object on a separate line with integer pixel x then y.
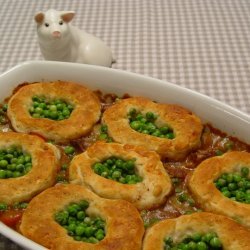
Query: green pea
{"type": "Point", "coordinates": [93, 240]}
{"type": "Point", "coordinates": [164, 130]}
{"type": "Point", "coordinates": [182, 197]}
{"type": "Point", "coordinates": [226, 193]}
{"type": "Point", "coordinates": [236, 177]}
{"type": "Point", "coordinates": [59, 106]}
{"type": "Point", "coordinates": [72, 227]}
{"type": "Point", "coordinates": [65, 112]}
{"type": "Point", "coordinates": [156, 133]}
{"type": "Point", "coordinates": [240, 195]}
{"type": "Point", "coordinates": [53, 115]}
{"type": "Point", "coordinates": [192, 245]}
{"type": "Point", "coordinates": [64, 166]}
{"type": "Point", "coordinates": [245, 171]}
{"type": "Point", "coordinates": [36, 115]}
{"type": "Point", "coordinates": [215, 242]}
{"type": "Point", "coordinates": [168, 241]}
{"type": "Point", "coordinates": [38, 110]}
{"type": "Point", "coordinates": [9, 156]}
{"type": "Point", "coordinates": [202, 246]}
{"type": "Point", "coordinates": [42, 105]}
{"type": "Point", "coordinates": [35, 104]}
{"type": "Point", "coordinates": [20, 167]}
{"type": "Point", "coordinates": [11, 167]}
{"type": "Point", "coordinates": [132, 112]}
{"type": "Point", "coordinates": [229, 177]}
{"type": "Point", "coordinates": [87, 220]}
{"type": "Point", "coordinates": [196, 237]}
{"type": "Point", "coordinates": [23, 205]}
{"type": "Point", "coordinates": [232, 186]}
{"type": "Point", "coordinates": [130, 164]}
{"type": "Point", "coordinates": [9, 174]}
{"type": "Point", "coordinates": [80, 230]}
{"type": "Point", "coordinates": [3, 207]}
{"type": "Point", "coordinates": [77, 238]}
{"type": "Point", "coordinates": [70, 107]}
{"type": "Point", "coordinates": [170, 135]}
{"type": "Point", "coordinates": [135, 125]}
{"type": "Point", "coordinates": [119, 163]}
{"type": "Point", "coordinates": [221, 182]}
{"type": "Point", "coordinates": [191, 202]}
{"type": "Point", "coordinates": [151, 128]}
{"type": "Point", "coordinates": [72, 210]}
{"type": "Point", "coordinates": [69, 150]}
{"type": "Point", "coordinates": [62, 217]}
{"type": "Point", "coordinates": [122, 180]}
{"type": "Point", "coordinates": [116, 174]}
{"type": "Point", "coordinates": [104, 128]}
{"type": "Point", "coordinates": [3, 163]}
{"type": "Point", "coordinates": [89, 231]}
{"type": "Point", "coordinates": [5, 107]}
{"type": "Point", "coordinates": [218, 152]}
{"type": "Point", "coordinates": [84, 204]}
{"type": "Point", "coordinates": [27, 158]}
{"type": "Point", "coordinates": [131, 182]}
{"type": "Point", "coordinates": [2, 174]}
{"type": "Point", "coordinates": [175, 180]}
{"type": "Point", "coordinates": [53, 108]}
{"type": "Point", "coordinates": [207, 237]}
{"type": "Point", "coordinates": [80, 215]}
{"type": "Point", "coordinates": [105, 174]}
{"type": "Point", "coordinates": [99, 236]}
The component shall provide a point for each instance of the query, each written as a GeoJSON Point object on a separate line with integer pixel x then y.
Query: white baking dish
{"type": "Point", "coordinates": [220, 115]}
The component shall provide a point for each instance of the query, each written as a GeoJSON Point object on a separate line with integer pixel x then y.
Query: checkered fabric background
{"type": "Point", "coordinates": [203, 45]}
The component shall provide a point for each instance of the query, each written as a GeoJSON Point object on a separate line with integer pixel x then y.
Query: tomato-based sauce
{"type": "Point", "coordinates": [213, 142]}
{"type": "Point", "coordinates": [11, 217]}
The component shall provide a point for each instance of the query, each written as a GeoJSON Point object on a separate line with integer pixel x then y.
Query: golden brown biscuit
{"type": "Point", "coordinates": [42, 175]}
{"type": "Point", "coordinates": [85, 114]}
{"type": "Point", "coordinates": [232, 235]}
{"type": "Point", "coordinates": [151, 192]}
{"type": "Point", "coordinates": [186, 126]}
{"type": "Point", "coordinates": [124, 226]}
{"type": "Point", "coordinates": [206, 193]}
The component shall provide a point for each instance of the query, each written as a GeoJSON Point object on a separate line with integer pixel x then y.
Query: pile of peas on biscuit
{"type": "Point", "coordinates": [56, 109]}
{"type": "Point", "coordinates": [146, 124]}
{"type": "Point", "coordinates": [79, 225]}
{"type": "Point", "coordinates": [14, 162]}
{"type": "Point", "coordinates": [235, 186]}
{"type": "Point", "coordinates": [118, 169]}
{"type": "Point", "coordinates": [197, 241]}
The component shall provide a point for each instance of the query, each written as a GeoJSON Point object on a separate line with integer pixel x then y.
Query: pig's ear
{"type": "Point", "coordinates": [39, 17]}
{"type": "Point", "coordinates": [67, 16]}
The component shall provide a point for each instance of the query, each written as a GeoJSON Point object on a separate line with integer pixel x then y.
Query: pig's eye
{"type": "Point", "coordinates": [61, 22]}
{"type": "Point", "coordinates": [46, 24]}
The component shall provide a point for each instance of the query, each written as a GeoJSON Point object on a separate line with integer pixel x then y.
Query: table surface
{"type": "Point", "coordinates": [203, 45]}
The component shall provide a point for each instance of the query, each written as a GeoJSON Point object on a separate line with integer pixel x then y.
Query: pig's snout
{"type": "Point", "coordinates": [56, 34]}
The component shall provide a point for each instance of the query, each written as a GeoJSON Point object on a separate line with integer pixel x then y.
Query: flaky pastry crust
{"type": "Point", "coordinates": [85, 114]}
{"type": "Point", "coordinates": [232, 235]}
{"type": "Point", "coordinates": [42, 174]}
{"type": "Point", "coordinates": [209, 197]}
{"type": "Point", "coordinates": [124, 226]}
{"type": "Point", "coordinates": [151, 192]}
{"type": "Point", "coordinates": [186, 126]}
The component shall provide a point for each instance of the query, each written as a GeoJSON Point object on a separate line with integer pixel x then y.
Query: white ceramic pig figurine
{"type": "Point", "coordinates": [61, 41]}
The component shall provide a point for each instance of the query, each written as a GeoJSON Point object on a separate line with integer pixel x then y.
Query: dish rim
{"type": "Point", "coordinates": [222, 108]}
